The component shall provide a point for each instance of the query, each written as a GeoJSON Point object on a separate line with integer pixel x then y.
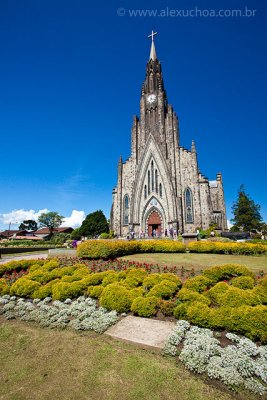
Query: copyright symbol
{"type": "Point", "coordinates": [121, 12]}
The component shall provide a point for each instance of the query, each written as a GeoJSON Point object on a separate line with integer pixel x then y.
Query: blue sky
{"type": "Point", "coordinates": [70, 77]}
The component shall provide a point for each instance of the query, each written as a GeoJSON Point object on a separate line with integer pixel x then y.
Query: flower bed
{"type": "Point", "coordinates": [240, 363]}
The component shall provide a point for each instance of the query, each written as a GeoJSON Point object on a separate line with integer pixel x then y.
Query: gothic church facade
{"type": "Point", "coordinates": [160, 187]}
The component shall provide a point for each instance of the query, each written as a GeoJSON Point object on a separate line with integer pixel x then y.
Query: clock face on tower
{"type": "Point", "coordinates": [151, 98]}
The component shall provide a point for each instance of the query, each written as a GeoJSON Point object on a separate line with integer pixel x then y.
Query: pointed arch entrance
{"type": "Point", "coordinates": [154, 224]}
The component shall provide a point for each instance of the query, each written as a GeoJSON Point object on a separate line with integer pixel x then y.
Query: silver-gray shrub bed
{"type": "Point", "coordinates": [239, 364]}
{"type": "Point", "coordinates": [79, 314]}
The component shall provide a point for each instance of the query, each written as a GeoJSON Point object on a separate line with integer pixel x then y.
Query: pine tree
{"type": "Point", "coordinates": [246, 212]}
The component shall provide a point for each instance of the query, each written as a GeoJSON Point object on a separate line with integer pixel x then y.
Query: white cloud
{"type": "Point", "coordinates": [75, 220]}
{"type": "Point", "coordinates": [15, 217]}
{"type": "Point", "coordinates": [229, 224]}
{"type": "Point", "coordinates": [18, 216]}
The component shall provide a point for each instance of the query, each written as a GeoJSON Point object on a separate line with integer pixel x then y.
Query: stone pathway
{"type": "Point", "coordinates": [143, 331]}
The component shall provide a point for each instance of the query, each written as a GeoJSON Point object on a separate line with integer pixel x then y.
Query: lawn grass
{"type": "Point", "coordinates": [42, 364]}
{"type": "Point", "coordinates": [200, 261]}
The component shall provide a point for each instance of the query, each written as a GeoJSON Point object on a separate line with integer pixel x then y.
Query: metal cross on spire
{"type": "Point", "coordinates": [152, 35]}
{"type": "Point", "coordinates": [153, 55]}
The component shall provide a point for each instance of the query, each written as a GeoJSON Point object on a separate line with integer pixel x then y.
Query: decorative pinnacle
{"type": "Point", "coordinates": [153, 55]}
{"type": "Point", "coordinates": [193, 147]}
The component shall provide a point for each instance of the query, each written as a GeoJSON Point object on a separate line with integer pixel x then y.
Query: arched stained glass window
{"type": "Point", "coordinates": [145, 191]}
{"type": "Point", "coordinates": [148, 182]}
{"type": "Point", "coordinates": [156, 181]}
{"type": "Point", "coordinates": [126, 210]}
{"type": "Point", "coordinates": [188, 207]}
{"type": "Point", "coordinates": [160, 190]}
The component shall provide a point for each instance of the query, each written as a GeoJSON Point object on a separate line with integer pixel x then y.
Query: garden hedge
{"type": "Point", "coordinates": [110, 249]}
{"type": "Point", "coordinates": [223, 297]}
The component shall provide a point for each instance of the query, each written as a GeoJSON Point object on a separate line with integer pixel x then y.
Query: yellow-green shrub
{"type": "Point", "coordinates": [161, 246]}
{"type": "Point", "coordinates": [64, 290]}
{"type": "Point", "coordinates": [154, 279]}
{"type": "Point", "coordinates": [165, 289]}
{"type": "Point", "coordinates": [144, 306]}
{"type": "Point", "coordinates": [95, 291]}
{"type": "Point", "coordinates": [180, 311]}
{"type": "Point", "coordinates": [199, 313]}
{"type": "Point", "coordinates": [151, 280]}
{"type": "Point", "coordinates": [94, 279]}
{"type": "Point", "coordinates": [4, 287]}
{"type": "Point", "coordinates": [110, 278]}
{"type": "Point", "coordinates": [18, 265]}
{"type": "Point", "coordinates": [136, 292]}
{"type": "Point", "coordinates": [45, 290]}
{"type": "Point", "coordinates": [191, 296]}
{"type": "Point", "coordinates": [198, 283]}
{"type": "Point", "coordinates": [226, 248]}
{"type": "Point", "coordinates": [261, 292]}
{"type": "Point", "coordinates": [243, 282]}
{"type": "Point", "coordinates": [167, 306]}
{"type": "Point", "coordinates": [235, 297]}
{"type": "Point", "coordinates": [226, 271]}
{"type": "Point", "coordinates": [24, 287]}
{"type": "Point", "coordinates": [106, 249]}
{"type": "Point", "coordinates": [116, 297]}
{"type": "Point", "coordinates": [216, 291]}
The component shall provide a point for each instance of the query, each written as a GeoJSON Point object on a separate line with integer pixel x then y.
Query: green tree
{"type": "Point", "coordinates": [29, 225]}
{"type": "Point", "coordinates": [50, 220]}
{"type": "Point", "coordinates": [246, 212]}
{"type": "Point", "coordinates": [94, 224]}
{"type": "Point", "coordinates": [76, 234]}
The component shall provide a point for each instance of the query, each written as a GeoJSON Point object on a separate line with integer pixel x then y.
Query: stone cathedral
{"type": "Point", "coordinates": [160, 188]}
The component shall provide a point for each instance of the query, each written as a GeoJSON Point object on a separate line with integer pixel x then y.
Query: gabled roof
{"type": "Point", "coordinates": [45, 231]}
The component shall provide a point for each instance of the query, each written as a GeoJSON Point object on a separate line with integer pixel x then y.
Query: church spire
{"type": "Point", "coordinates": [153, 55]}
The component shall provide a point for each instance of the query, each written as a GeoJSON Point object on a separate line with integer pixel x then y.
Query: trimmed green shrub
{"type": "Point", "coordinates": [190, 296]}
{"type": "Point", "coordinates": [4, 287]}
{"type": "Point", "coordinates": [227, 248]}
{"type": "Point", "coordinates": [243, 282]}
{"type": "Point", "coordinates": [19, 265]}
{"type": "Point", "coordinates": [235, 297]}
{"type": "Point", "coordinates": [216, 291]}
{"type": "Point", "coordinates": [95, 291]}
{"type": "Point", "coordinates": [110, 249]}
{"type": "Point", "coordinates": [161, 246]}
{"type": "Point", "coordinates": [145, 306]}
{"type": "Point", "coordinates": [64, 290]}
{"type": "Point", "coordinates": [180, 311]}
{"type": "Point", "coordinates": [136, 292]}
{"type": "Point", "coordinates": [263, 282]}
{"type": "Point", "coordinates": [199, 313]}
{"type": "Point", "coordinates": [110, 278]}
{"type": "Point", "coordinates": [198, 283]}
{"type": "Point", "coordinates": [167, 307]}
{"type": "Point", "coordinates": [24, 287]}
{"type": "Point", "coordinates": [45, 290]}
{"type": "Point", "coordinates": [165, 289]}
{"type": "Point", "coordinates": [151, 280]}
{"type": "Point", "coordinates": [228, 271]}
{"type": "Point", "coordinates": [106, 249]}
{"type": "Point", "coordinates": [116, 297]}
{"type": "Point", "coordinates": [261, 292]}
{"type": "Point", "coordinates": [94, 279]}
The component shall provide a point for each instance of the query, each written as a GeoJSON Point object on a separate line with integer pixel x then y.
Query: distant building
{"type": "Point", "coordinates": [44, 232]}
{"type": "Point", "coordinates": [160, 187]}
